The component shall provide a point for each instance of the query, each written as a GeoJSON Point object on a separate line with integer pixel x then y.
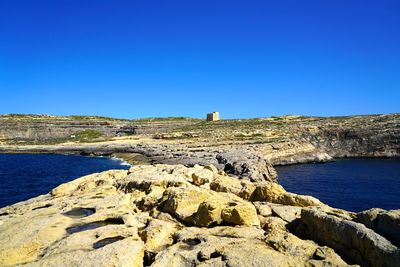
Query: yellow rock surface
{"type": "Point", "coordinates": [161, 215]}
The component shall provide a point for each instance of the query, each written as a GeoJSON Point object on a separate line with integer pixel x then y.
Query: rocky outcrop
{"type": "Point", "coordinates": [75, 224]}
{"type": "Point", "coordinates": [386, 223]}
{"type": "Point", "coordinates": [247, 165]}
{"type": "Point", "coordinates": [161, 215]}
{"type": "Point", "coordinates": [354, 241]}
{"type": "Point", "coordinates": [262, 191]}
{"type": "Point", "coordinates": [294, 152]}
{"type": "Point", "coordinates": [359, 136]}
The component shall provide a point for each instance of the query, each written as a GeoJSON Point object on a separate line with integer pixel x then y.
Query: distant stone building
{"type": "Point", "coordinates": [213, 116]}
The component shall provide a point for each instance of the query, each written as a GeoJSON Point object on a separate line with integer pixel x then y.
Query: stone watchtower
{"type": "Point", "coordinates": [213, 116]}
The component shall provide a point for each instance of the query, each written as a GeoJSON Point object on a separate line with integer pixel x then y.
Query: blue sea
{"type": "Point", "coordinates": [23, 176]}
{"type": "Point", "coordinates": [350, 184]}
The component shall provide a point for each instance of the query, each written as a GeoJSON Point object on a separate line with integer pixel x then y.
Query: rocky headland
{"type": "Point", "coordinates": [172, 215]}
{"type": "Point", "coordinates": [200, 194]}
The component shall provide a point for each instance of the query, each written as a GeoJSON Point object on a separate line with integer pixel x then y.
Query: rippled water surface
{"type": "Point", "coordinates": [23, 176]}
{"type": "Point", "coordinates": [351, 184]}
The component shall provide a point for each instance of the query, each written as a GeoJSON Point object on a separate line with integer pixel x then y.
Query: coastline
{"type": "Point", "coordinates": [25, 176]}
{"type": "Point", "coordinates": [150, 153]}
{"type": "Point", "coordinates": [204, 194]}
{"type": "Point", "coordinates": [161, 211]}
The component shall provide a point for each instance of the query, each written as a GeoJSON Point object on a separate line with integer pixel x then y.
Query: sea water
{"type": "Point", "coordinates": [350, 184]}
{"type": "Point", "coordinates": [23, 176]}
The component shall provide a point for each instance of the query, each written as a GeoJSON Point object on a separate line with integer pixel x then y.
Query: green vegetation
{"type": "Point", "coordinates": [166, 119]}
{"type": "Point", "coordinates": [277, 118]}
{"type": "Point", "coordinates": [86, 135]}
{"type": "Point", "coordinates": [50, 117]}
{"type": "Point", "coordinates": [24, 116]}
{"type": "Point", "coordinates": [81, 137]}
{"type": "Point", "coordinates": [52, 141]}
{"type": "Point", "coordinates": [86, 118]}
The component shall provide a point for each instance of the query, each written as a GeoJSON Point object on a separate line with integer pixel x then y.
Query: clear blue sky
{"type": "Point", "coordinates": [184, 58]}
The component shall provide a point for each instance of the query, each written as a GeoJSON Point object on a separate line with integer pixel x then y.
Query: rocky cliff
{"type": "Point", "coordinates": [36, 127]}
{"type": "Point", "coordinates": [360, 136]}
{"type": "Point", "coordinates": [171, 215]}
{"type": "Point", "coordinates": [43, 127]}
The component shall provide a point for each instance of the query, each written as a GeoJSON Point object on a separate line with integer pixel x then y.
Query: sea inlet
{"type": "Point", "coordinates": [350, 184]}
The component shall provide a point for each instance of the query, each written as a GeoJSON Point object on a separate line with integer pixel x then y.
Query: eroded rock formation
{"type": "Point", "coordinates": [172, 215]}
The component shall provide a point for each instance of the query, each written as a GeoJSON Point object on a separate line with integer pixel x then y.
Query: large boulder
{"type": "Point", "coordinates": [241, 188]}
{"type": "Point", "coordinates": [286, 213]}
{"type": "Point", "coordinates": [226, 208]}
{"type": "Point", "coordinates": [247, 166]}
{"type": "Point", "coordinates": [275, 193]}
{"type": "Point", "coordinates": [184, 202]}
{"type": "Point", "coordinates": [261, 191]}
{"type": "Point", "coordinates": [157, 236]}
{"type": "Point", "coordinates": [146, 177]}
{"type": "Point", "coordinates": [200, 207]}
{"type": "Point", "coordinates": [386, 223]}
{"type": "Point", "coordinates": [355, 242]}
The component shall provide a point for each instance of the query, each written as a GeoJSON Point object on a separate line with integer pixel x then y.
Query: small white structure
{"type": "Point", "coordinates": [213, 116]}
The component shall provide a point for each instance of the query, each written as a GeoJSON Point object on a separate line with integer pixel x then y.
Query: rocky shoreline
{"type": "Point", "coordinates": [172, 215]}
{"type": "Point", "coordinates": [206, 194]}
{"type": "Point", "coordinates": [277, 140]}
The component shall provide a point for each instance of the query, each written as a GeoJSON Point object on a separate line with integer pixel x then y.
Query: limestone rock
{"type": "Point", "coordinates": [263, 208]}
{"type": "Point", "coordinates": [145, 177]}
{"type": "Point", "coordinates": [184, 202]}
{"type": "Point", "coordinates": [240, 213]}
{"type": "Point", "coordinates": [294, 152]}
{"type": "Point", "coordinates": [247, 166]}
{"type": "Point", "coordinates": [274, 223]}
{"type": "Point", "coordinates": [223, 183]}
{"type": "Point", "coordinates": [288, 244]}
{"type": "Point", "coordinates": [287, 213]}
{"type": "Point", "coordinates": [158, 235]}
{"type": "Point", "coordinates": [354, 241]}
{"type": "Point", "coordinates": [88, 183]}
{"type": "Point", "coordinates": [386, 223]}
{"type": "Point", "coordinates": [238, 246]}
{"type": "Point", "coordinates": [80, 230]}
{"type": "Point", "coordinates": [262, 191]}
{"type": "Point", "coordinates": [173, 215]}
{"type": "Point", "coordinates": [201, 208]}
{"type": "Point", "coordinates": [201, 175]}
{"type": "Point", "coordinates": [226, 208]}
{"type": "Point", "coordinates": [114, 251]}
{"type": "Point", "coordinates": [275, 193]}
